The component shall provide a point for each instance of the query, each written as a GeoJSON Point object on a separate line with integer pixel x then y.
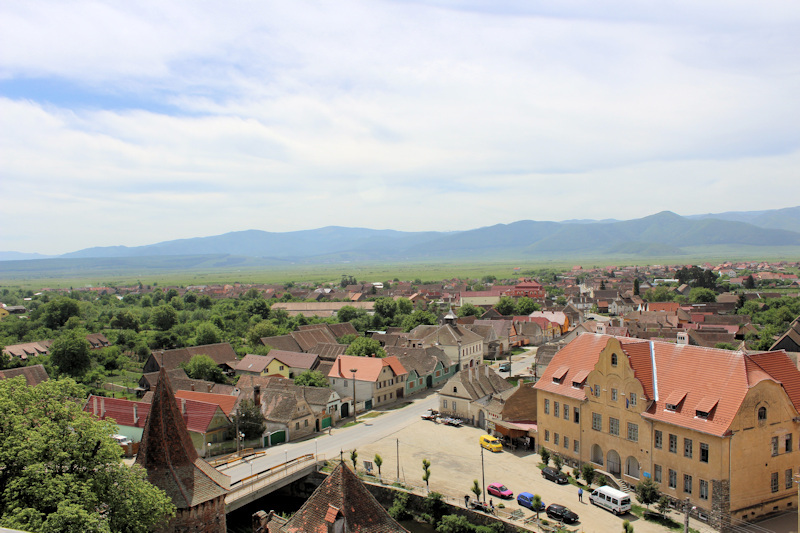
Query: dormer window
{"type": "Point", "coordinates": [455, 389]}
{"type": "Point", "coordinates": [579, 379]}
{"type": "Point", "coordinates": [558, 375]}
{"type": "Point", "coordinates": [674, 400]}
{"type": "Point", "coordinates": [705, 407]}
{"type": "Point", "coordinates": [701, 414]}
{"type": "Point", "coordinates": [613, 359]}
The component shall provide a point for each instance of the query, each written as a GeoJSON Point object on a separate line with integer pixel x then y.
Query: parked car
{"type": "Point", "coordinates": [554, 475]}
{"type": "Point", "coordinates": [499, 490]}
{"type": "Point", "coordinates": [561, 513]}
{"type": "Point", "coordinates": [505, 367]}
{"type": "Point", "coordinates": [491, 443]}
{"type": "Point", "coordinates": [612, 499]}
{"type": "Point", "coordinates": [525, 499]}
{"type": "Point", "coordinates": [430, 414]}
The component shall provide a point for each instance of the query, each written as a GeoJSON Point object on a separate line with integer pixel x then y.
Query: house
{"type": "Point", "coordinates": [278, 362]}
{"type": "Point", "coordinates": [716, 427]}
{"type": "Point", "coordinates": [26, 350]}
{"type": "Point", "coordinates": [180, 381]}
{"type": "Point", "coordinates": [524, 332]}
{"type": "Point", "coordinates": [340, 504]}
{"type": "Point", "coordinates": [222, 353]}
{"type": "Point", "coordinates": [427, 367]}
{"type": "Point", "coordinates": [34, 374]}
{"type": "Point", "coordinates": [461, 345]}
{"type": "Point", "coordinates": [97, 341]}
{"type": "Point", "coordinates": [467, 394]}
{"type": "Point", "coordinates": [790, 340]}
{"type": "Point", "coordinates": [373, 381]}
{"type": "Point", "coordinates": [321, 309]}
{"type": "Point", "coordinates": [516, 418]}
{"type": "Point", "coordinates": [173, 465]}
{"type": "Point", "coordinates": [556, 317]}
{"type": "Point", "coordinates": [529, 288]}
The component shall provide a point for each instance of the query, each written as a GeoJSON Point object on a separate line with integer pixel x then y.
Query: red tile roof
{"type": "Point", "coordinates": [367, 368]}
{"type": "Point", "coordinates": [224, 401]}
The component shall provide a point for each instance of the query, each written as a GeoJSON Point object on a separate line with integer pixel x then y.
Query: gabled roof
{"type": "Point", "coordinates": [294, 359]}
{"type": "Point", "coordinates": [124, 412]}
{"type": "Point", "coordinates": [170, 359]}
{"type": "Point", "coordinates": [308, 338]}
{"type": "Point", "coordinates": [253, 363]}
{"type": "Point", "coordinates": [282, 342]}
{"type": "Point", "coordinates": [168, 455]}
{"type": "Point", "coordinates": [422, 360]}
{"type": "Point", "coordinates": [326, 350]}
{"type": "Point", "coordinates": [477, 382]}
{"type": "Point", "coordinates": [367, 368]}
{"type": "Point", "coordinates": [225, 402]}
{"type": "Point", "coordinates": [33, 374]}
{"type": "Point", "coordinates": [343, 497]}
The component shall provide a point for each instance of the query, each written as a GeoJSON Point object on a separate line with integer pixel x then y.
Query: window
{"type": "Point", "coordinates": [566, 412]}
{"type": "Point", "coordinates": [555, 409]}
{"type": "Point", "coordinates": [774, 482]}
{"type": "Point", "coordinates": [774, 446]}
{"type": "Point", "coordinates": [703, 489]}
{"type": "Point", "coordinates": [547, 435]}
{"type": "Point", "coordinates": [613, 426]}
{"type": "Point", "coordinates": [687, 483]}
{"type": "Point", "coordinates": [280, 367]}
{"type": "Point", "coordinates": [658, 440]}
{"type": "Point", "coordinates": [576, 416]}
{"type": "Point", "coordinates": [687, 448]}
{"type": "Point", "coordinates": [555, 439]}
{"type": "Point", "coordinates": [444, 404]}
{"type": "Point", "coordinates": [788, 443]}
{"type": "Point", "coordinates": [633, 432]}
{"type": "Point", "coordinates": [673, 479]}
{"type": "Point", "coordinates": [297, 425]}
{"type": "Point", "coordinates": [703, 452]}
{"type": "Point", "coordinates": [613, 395]}
{"type": "Point", "coordinates": [454, 405]}
{"type": "Point", "coordinates": [673, 443]}
{"type": "Point", "coordinates": [597, 422]}
{"type": "Point", "coordinates": [657, 473]}
{"type": "Point", "coordinates": [455, 389]}
{"type": "Point", "coordinates": [576, 446]}
{"type": "Point", "coordinates": [546, 406]}
{"type": "Point", "coordinates": [613, 359]}
{"type": "Point", "coordinates": [762, 414]}
{"type": "Point", "coordinates": [632, 399]}
{"type": "Point", "coordinates": [566, 442]}
{"type": "Point", "coordinates": [305, 423]}
{"type": "Point", "coordinates": [788, 478]}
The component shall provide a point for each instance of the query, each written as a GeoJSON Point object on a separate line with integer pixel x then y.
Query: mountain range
{"type": "Point", "coordinates": [664, 234]}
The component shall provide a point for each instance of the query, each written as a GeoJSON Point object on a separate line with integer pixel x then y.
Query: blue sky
{"type": "Point", "coordinates": [137, 122]}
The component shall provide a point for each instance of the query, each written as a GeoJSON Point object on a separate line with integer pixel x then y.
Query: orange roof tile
{"type": "Point", "coordinates": [224, 401]}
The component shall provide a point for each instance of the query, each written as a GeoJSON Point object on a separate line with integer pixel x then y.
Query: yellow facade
{"type": "Point", "coordinates": [733, 475]}
{"type": "Point", "coordinates": [276, 367]}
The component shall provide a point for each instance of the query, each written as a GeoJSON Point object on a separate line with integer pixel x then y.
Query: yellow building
{"type": "Point", "coordinates": [712, 426]}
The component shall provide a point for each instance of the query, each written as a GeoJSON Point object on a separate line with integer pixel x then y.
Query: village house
{"type": "Point", "coordinates": [427, 367]}
{"type": "Point", "coordinates": [221, 353]}
{"type": "Point", "coordinates": [718, 427]}
{"type": "Point", "coordinates": [467, 394]}
{"type": "Point", "coordinates": [374, 380]}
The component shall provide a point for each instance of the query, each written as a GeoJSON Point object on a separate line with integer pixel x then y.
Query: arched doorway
{"type": "Point", "coordinates": [597, 454]}
{"type": "Point", "coordinates": [632, 467]}
{"type": "Point", "coordinates": [429, 381]}
{"type": "Point", "coordinates": [613, 464]}
{"type": "Point", "coordinates": [345, 410]}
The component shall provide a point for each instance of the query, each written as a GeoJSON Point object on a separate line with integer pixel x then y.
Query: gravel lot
{"type": "Point", "coordinates": [455, 458]}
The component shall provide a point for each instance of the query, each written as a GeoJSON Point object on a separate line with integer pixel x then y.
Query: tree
{"type": "Point", "coordinates": [378, 463]}
{"type": "Point", "coordinates": [545, 454]}
{"type": "Point", "coordinates": [404, 306]}
{"type": "Point", "coordinates": [558, 462]}
{"type": "Point", "coordinates": [164, 317]}
{"type": "Point", "coordinates": [636, 286]}
{"type": "Point", "coordinates": [354, 460]}
{"type": "Point", "coordinates": [385, 307]}
{"type": "Point", "coordinates": [647, 492]}
{"type": "Point", "coordinates": [602, 284]}
{"type": "Point", "coordinates": [476, 489]}
{"type": "Point", "coordinates": [55, 313]}
{"type": "Point", "coordinates": [62, 471]}
{"type": "Point", "coordinates": [749, 282]}
{"type": "Point", "coordinates": [627, 527]}
{"type": "Point", "coordinates": [663, 505]}
{"type": "Point", "coordinates": [526, 306]}
{"type": "Point", "coordinates": [203, 367]}
{"type": "Point", "coordinates": [426, 473]}
{"type": "Point", "coordinates": [505, 306]}
{"type": "Point", "coordinates": [347, 280]}
{"type": "Point", "coordinates": [259, 307]}
{"type": "Point", "coordinates": [469, 309]}
{"type": "Point", "coordinates": [417, 318]}
{"type": "Point", "coordinates": [453, 523]}
{"type": "Point", "coordinates": [587, 471]}
{"type": "Point", "coordinates": [347, 313]}
{"type": "Point", "coordinates": [399, 508]}
{"type": "Point", "coordinates": [311, 378]}
{"type": "Point", "coordinates": [250, 419]}
{"type": "Point", "coordinates": [261, 330]}
{"type": "Point", "coordinates": [70, 353]}
{"type": "Point", "coordinates": [700, 295]}
{"type": "Point", "coordinates": [536, 502]}
{"type": "Point", "coordinates": [207, 333]}
{"type": "Point", "coordinates": [365, 346]}
{"type": "Point", "coordinates": [125, 319]}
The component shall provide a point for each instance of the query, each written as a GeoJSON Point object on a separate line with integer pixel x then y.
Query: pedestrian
{"type": "Point", "coordinates": [491, 504]}
{"type": "Point", "coordinates": [466, 501]}
{"type": "Point", "coordinates": [580, 494]}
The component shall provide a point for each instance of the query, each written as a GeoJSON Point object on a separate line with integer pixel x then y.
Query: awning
{"type": "Point", "coordinates": [509, 429]}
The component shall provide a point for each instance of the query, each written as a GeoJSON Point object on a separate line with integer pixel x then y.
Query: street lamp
{"type": "Point", "coordinates": [353, 371]}
{"type": "Point", "coordinates": [483, 476]}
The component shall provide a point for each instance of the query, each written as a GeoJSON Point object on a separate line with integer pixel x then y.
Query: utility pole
{"type": "Point", "coordinates": [238, 413]}
{"type": "Point", "coordinates": [398, 459]}
{"type": "Point", "coordinates": [483, 476]}
{"type": "Point", "coordinates": [355, 418]}
{"type": "Point", "coordinates": [689, 509]}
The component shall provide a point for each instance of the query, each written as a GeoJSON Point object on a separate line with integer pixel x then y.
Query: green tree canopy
{"type": "Point", "coordinates": [311, 378]}
{"type": "Point", "coordinates": [469, 309]}
{"type": "Point", "coordinates": [506, 306]}
{"type": "Point", "coordinates": [62, 471]}
{"type": "Point", "coordinates": [70, 353]}
{"type": "Point", "coordinates": [526, 306]}
{"type": "Point", "coordinates": [164, 317]}
{"type": "Point", "coordinates": [203, 367]}
{"type": "Point", "coordinates": [365, 346]}
{"type": "Point", "coordinates": [647, 491]}
{"type": "Point", "coordinates": [55, 313]}
{"type": "Point", "coordinates": [700, 295]}
{"type": "Point", "coordinates": [418, 318]}
{"type": "Point", "coordinates": [385, 307]}
{"type": "Point", "coordinates": [263, 329]}
{"type": "Point", "coordinates": [250, 419]}
{"type": "Point", "coordinates": [207, 333]}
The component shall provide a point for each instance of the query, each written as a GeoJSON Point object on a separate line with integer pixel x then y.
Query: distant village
{"type": "Point", "coordinates": [657, 372]}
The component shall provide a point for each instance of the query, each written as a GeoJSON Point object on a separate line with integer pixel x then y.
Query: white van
{"type": "Point", "coordinates": [614, 500]}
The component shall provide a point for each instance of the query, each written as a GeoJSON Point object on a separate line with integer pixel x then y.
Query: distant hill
{"type": "Point", "coordinates": [787, 218]}
{"type": "Point", "coordinates": [663, 234]}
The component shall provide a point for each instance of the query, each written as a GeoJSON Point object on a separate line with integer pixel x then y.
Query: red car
{"type": "Point", "coordinates": [499, 490]}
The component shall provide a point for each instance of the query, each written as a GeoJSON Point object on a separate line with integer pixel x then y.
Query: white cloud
{"type": "Point", "coordinates": [284, 116]}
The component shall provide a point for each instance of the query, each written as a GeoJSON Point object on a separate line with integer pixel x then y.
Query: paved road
{"type": "Point", "coordinates": [328, 446]}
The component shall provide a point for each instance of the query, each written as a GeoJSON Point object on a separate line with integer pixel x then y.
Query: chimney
{"type": "Point", "coordinates": [192, 386]}
{"type": "Point", "coordinates": [183, 406]}
{"type": "Point", "coordinates": [135, 414]}
{"type": "Point", "coordinates": [94, 406]}
{"type": "Point", "coordinates": [487, 370]}
{"type": "Point", "coordinates": [102, 407]}
{"type": "Point", "coordinates": [257, 395]}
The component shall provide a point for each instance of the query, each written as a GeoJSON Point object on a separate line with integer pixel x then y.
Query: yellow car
{"type": "Point", "coordinates": [491, 443]}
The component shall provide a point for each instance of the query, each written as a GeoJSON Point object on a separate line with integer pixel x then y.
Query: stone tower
{"type": "Point", "coordinates": [197, 489]}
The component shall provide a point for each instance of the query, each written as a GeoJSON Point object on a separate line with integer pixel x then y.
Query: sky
{"type": "Point", "coordinates": [131, 123]}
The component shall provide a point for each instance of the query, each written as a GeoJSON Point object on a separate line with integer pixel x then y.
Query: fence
{"type": "Point", "coordinates": [258, 481]}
